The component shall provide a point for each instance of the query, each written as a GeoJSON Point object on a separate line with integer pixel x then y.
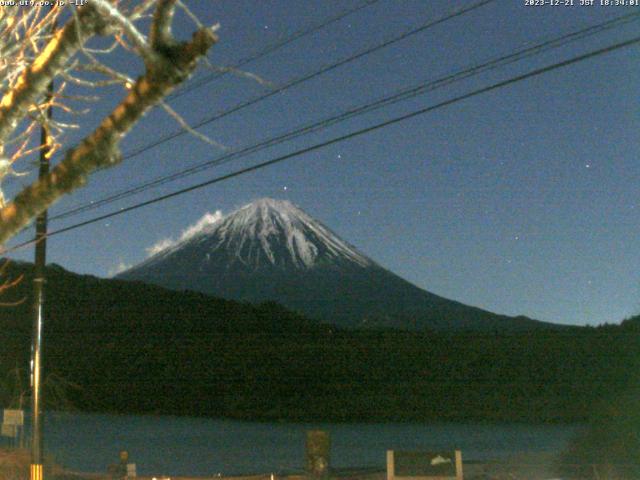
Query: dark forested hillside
{"type": "Point", "coordinates": [131, 347]}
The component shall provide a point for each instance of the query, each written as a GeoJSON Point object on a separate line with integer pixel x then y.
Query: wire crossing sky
{"type": "Point", "coordinates": [402, 95]}
{"type": "Point", "coordinates": [519, 200]}
{"type": "Point", "coordinates": [630, 42]}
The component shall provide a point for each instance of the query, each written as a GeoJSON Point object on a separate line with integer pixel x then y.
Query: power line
{"type": "Point", "coordinates": [269, 49]}
{"type": "Point", "coordinates": [430, 24]}
{"type": "Point", "coordinates": [348, 136]}
{"type": "Point", "coordinates": [368, 107]}
{"type": "Point", "coordinates": [272, 48]}
{"type": "Point", "coordinates": [310, 76]}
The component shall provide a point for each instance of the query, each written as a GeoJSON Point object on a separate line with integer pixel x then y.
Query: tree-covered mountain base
{"type": "Point", "coordinates": [134, 348]}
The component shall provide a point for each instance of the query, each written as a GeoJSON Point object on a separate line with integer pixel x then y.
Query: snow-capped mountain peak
{"type": "Point", "coordinates": [266, 233]}
{"type": "Point", "coordinates": [267, 225]}
{"type": "Point", "coordinates": [271, 250]}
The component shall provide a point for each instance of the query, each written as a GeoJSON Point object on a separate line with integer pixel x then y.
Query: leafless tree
{"type": "Point", "coordinates": [33, 53]}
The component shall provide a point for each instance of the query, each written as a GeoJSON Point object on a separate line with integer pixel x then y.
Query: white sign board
{"type": "Point", "coordinates": [13, 417]}
{"type": "Point", "coordinates": [9, 430]}
{"type": "Point", "coordinates": [131, 470]}
{"type": "Point", "coordinates": [445, 465]}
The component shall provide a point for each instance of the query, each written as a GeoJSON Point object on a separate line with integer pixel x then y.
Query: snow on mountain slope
{"type": "Point", "coordinates": [265, 233]}
{"type": "Point", "coordinates": [258, 231]}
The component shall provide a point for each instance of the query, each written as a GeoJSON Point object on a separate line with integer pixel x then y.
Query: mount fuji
{"type": "Point", "coordinates": [271, 250]}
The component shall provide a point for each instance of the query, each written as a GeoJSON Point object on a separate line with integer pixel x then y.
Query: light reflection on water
{"type": "Point", "coordinates": [165, 445]}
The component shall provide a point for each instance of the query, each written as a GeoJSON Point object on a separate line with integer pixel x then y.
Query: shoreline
{"type": "Point", "coordinates": [328, 421]}
{"type": "Point", "coordinates": [529, 466]}
{"type": "Point", "coordinates": [196, 448]}
{"type": "Point", "coordinates": [524, 465]}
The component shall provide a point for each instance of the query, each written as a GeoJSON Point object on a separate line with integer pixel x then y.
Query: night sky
{"type": "Point", "coordinates": [523, 200]}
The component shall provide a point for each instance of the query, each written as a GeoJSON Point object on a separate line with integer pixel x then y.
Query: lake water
{"type": "Point", "coordinates": [164, 445]}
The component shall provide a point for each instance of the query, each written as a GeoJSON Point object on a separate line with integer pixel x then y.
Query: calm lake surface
{"type": "Point", "coordinates": [164, 445]}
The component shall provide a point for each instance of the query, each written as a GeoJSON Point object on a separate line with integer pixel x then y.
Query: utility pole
{"type": "Point", "coordinates": [39, 279]}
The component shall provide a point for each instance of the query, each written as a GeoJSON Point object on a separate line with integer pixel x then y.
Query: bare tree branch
{"type": "Point", "coordinates": [161, 36]}
{"type": "Point", "coordinates": [192, 131]}
{"type": "Point", "coordinates": [174, 63]}
{"type": "Point", "coordinates": [33, 82]}
{"type": "Point", "coordinates": [135, 36]}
